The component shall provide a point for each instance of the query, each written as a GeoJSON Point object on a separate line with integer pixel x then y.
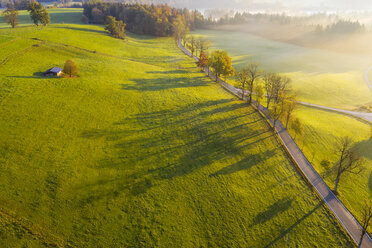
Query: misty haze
{"type": "Point", "coordinates": [185, 123]}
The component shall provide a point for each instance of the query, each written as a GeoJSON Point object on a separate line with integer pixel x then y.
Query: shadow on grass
{"type": "Point", "coordinates": [36, 75]}
{"type": "Point", "coordinates": [178, 71]}
{"type": "Point", "coordinates": [156, 84]}
{"type": "Point", "coordinates": [365, 148]}
{"type": "Point", "coordinates": [285, 204]}
{"type": "Point", "coordinates": [83, 29]}
{"type": "Point", "coordinates": [273, 210]}
{"type": "Point", "coordinates": [245, 163]}
{"type": "Point", "coordinates": [165, 144]}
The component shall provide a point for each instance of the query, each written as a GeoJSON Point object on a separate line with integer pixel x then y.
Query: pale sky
{"type": "Point", "coordinates": [281, 5]}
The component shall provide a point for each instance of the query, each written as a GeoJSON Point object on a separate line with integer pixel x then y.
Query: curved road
{"type": "Point", "coordinates": [347, 220]}
{"type": "Point", "coordinates": [367, 79]}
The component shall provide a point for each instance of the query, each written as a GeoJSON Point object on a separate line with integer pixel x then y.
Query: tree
{"type": "Point", "coordinates": [277, 109]}
{"type": "Point", "coordinates": [179, 28]}
{"type": "Point", "coordinates": [297, 127]}
{"type": "Point", "coordinates": [253, 73]}
{"type": "Point", "coordinates": [349, 160]}
{"type": "Point", "coordinates": [70, 68]}
{"type": "Point", "coordinates": [366, 221]}
{"type": "Point", "coordinates": [204, 44]}
{"type": "Point", "coordinates": [290, 107]}
{"type": "Point", "coordinates": [221, 64]}
{"type": "Point", "coordinates": [242, 80]}
{"type": "Point", "coordinates": [269, 79]}
{"type": "Point", "coordinates": [203, 61]}
{"type": "Point", "coordinates": [45, 17]}
{"type": "Point", "coordinates": [38, 13]}
{"type": "Point", "coordinates": [192, 44]}
{"type": "Point", "coordinates": [115, 28]}
{"type": "Point", "coordinates": [259, 92]}
{"type": "Point", "coordinates": [11, 17]}
{"type": "Point", "coordinates": [97, 16]}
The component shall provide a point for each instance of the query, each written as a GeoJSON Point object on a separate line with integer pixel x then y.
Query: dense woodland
{"type": "Point", "coordinates": [157, 20]}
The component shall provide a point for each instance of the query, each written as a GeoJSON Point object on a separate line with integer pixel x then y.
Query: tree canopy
{"type": "Point", "coordinates": [38, 14]}
{"type": "Point", "coordinates": [115, 28]}
{"type": "Point", "coordinates": [11, 17]}
{"type": "Point", "coordinates": [221, 64]}
{"type": "Point", "coordinates": [70, 69]}
{"type": "Point", "coordinates": [157, 20]}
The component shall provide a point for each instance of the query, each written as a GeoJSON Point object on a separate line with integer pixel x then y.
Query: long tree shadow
{"type": "Point", "coordinates": [290, 228]}
{"type": "Point", "coordinates": [84, 29]}
{"type": "Point", "coordinates": [157, 84]}
{"type": "Point", "coordinates": [172, 143]}
{"type": "Point", "coordinates": [273, 210]}
{"type": "Point", "coordinates": [245, 164]}
{"type": "Point", "coordinates": [365, 148]}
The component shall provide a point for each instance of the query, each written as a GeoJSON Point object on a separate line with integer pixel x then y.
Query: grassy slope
{"type": "Point", "coordinates": [321, 77]}
{"type": "Point", "coordinates": [322, 129]}
{"type": "Point", "coordinates": [140, 154]}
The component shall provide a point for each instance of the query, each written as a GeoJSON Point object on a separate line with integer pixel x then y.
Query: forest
{"type": "Point", "coordinates": [156, 20]}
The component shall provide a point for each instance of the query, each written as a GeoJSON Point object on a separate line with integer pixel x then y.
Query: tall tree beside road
{"type": "Point", "coordinates": [349, 160]}
{"type": "Point", "coordinates": [242, 80]}
{"type": "Point", "coordinates": [203, 61]}
{"type": "Point", "coordinates": [269, 79]}
{"type": "Point", "coordinates": [221, 64]}
{"type": "Point", "coordinates": [191, 44]}
{"type": "Point", "coordinates": [254, 73]}
{"type": "Point", "coordinates": [366, 221]}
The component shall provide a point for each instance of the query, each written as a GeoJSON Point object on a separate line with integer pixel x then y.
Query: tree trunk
{"type": "Point", "coordinates": [361, 239]}
{"type": "Point", "coordinates": [286, 124]}
{"type": "Point", "coordinates": [336, 184]}
{"type": "Point", "coordinates": [243, 91]}
{"type": "Point", "coordinates": [268, 103]}
{"type": "Point", "coordinates": [250, 92]}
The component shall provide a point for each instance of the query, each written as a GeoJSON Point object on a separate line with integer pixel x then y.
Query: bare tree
{"type": "Point", "coordinates": [192, 44]}
{"type": "Point", "coordinates": [290, 107]}
{"type": "Point", "coordinates": [242, 79]}
{"type": "Point", "coordinates": [253, 73]}
{"type": "Point", "coordinates": [204, 45]}
{"type": "Point", "coordinates": [366, 221]}
{"type": "Point", "coordinates": [268, 79]}
{"type": "Point", "coordinates": [349, 160]}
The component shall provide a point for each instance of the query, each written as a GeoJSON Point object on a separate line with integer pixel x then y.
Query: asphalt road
{"type": "Point", "coordinates": [347, 220]}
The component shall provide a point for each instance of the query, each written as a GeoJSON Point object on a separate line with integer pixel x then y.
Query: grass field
{"type": "Point", "coordinates": [142, 150]}
{"type": "Point", "coordinates": [70, 15]}
{"type": "Point", "coordinates": [319, 76]}
{"type": "Point", "coordinates": [318, 142]}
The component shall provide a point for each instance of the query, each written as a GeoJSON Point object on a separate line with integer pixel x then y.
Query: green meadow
{"type": "Point", "coordinates": [322, 129]}
{"type": "Point", "coordinates": [141, 150]}
{"type": "Point", "coordinates": [319, 76]}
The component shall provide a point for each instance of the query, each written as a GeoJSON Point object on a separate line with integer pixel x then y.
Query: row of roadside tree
{"type": "Point", "coordinates": [275, 92]}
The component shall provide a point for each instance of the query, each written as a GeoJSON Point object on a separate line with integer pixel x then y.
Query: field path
{"type": "Point", "coordinates": [362, 115]}
{"type": "Point", "coordinates": [347, 220]}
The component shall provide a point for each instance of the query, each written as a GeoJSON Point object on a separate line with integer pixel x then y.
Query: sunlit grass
{"type": "Point", "coordinates": [318, 76]}
{"type": "Point", "coordinates": [141, 150]}
{"type": "Point", "coordinates": [322, 130]}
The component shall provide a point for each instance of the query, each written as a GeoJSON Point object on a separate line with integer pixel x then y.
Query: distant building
{"type": "Point", "coordinates": [53, 72]}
